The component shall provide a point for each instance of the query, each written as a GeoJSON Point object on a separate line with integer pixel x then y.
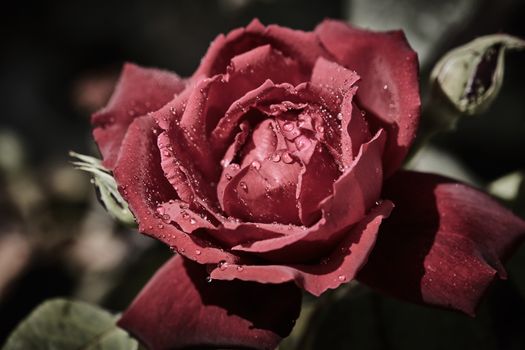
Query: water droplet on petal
{"type": "Point", "coordinates": [243, 186]}
{"type": "Point", "coordinates": [256, 165]}
{"type": "Point", "coordinates": [209, 279]}
{"type": "Point", "coordinates": [223, 265]}
{"type": "Point", "coordinates": [340, 116]}
{"type": "Point", "coordinates": [193, 221]}
{"type": "Point", "coordinates": [240, 268]}
{"type": "Point", "coordinates": [276, 157]}
{"type": "Point", "coordinates": [288, 126]}
{"type": "Point", "coordinates": [198, 252]}
{"type": "Point", "coordinates": [287, 158]}
{"type": "Point", "coordinates": [341, 278]}
{"type": "Point", "coordinates": [302, 142]}
{"type": "Point", "coordinates": [228, 177]}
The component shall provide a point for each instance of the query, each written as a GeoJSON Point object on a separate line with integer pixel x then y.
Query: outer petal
{"type": "Point", "coordinates": [302, 46]}
{"type": "Point", "coordinates": [142, 183]}
{"type": "Point", "coordinates": [139, 91]}
{"type": "Point", "coordinates": [389, 88]}
{"type": "Point", "coordinates": [444, 243]}
{"type": "Point", "coordinates": [179, 309]}
{"type": "Point", "coordinates": [338, 267]}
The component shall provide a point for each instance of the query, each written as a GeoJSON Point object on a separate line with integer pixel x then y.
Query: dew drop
{"type": "Point", "coordinates": [319, 128]}
{"type": "Point", "coordinates": [193, 221]}
{"type": "Point", "coordinates": [223, 265]}
{"type": "Point", "coordinates": [256, 165]}
{"type": "Point", "coordinates": [209, 279]}
{"type": "Point", "coordinates": [161, 226]}
{"type": "Point", "coordinates": [288, 126]}
{"type": "Point", "coordinates": [198, 252]}
{"type": "Point", "coordinates": [385, 87]}
{"type": "Point", "coordinates": [302, 142]}
{"type": "Point", "coordinates": [341, 278]}
{"type": "Point", "coordinates": [287, 158]}
{"type": "Point", "coordinates": [243, 186]}
{"type": "Point", "coordinates": [339, 116]}
{"type": "Point", "coordinates": [228, 177]}
{"type": "Point", "coordinates": [276, 157]}
{"type": "Point", "coordinates": [240, 268]}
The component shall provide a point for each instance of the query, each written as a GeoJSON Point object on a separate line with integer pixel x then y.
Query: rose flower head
{"type": "Point", "coordinates": [275, 168]}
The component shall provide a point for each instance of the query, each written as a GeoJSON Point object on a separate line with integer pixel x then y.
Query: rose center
{"type": "Point", "coordinates": [263, 182]}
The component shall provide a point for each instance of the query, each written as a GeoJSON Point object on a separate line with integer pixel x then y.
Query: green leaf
{"type": "Point", "coordinates": [63, 324]}
{"type": "Point", "coordinates": [106, 187]}
{"type": "Point", "coordinates": [470, 76]}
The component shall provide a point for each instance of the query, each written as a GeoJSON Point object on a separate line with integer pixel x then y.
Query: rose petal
{"type": "Point", "coordinates": [315, 183]}
{"type": "Point", "coordinates": [265, 193]}
{"type": "Point", "coordinates": [301, 46]}
{"type": "Point", "coordinates": [178, 309]}
{"type": "Point", "coordinates": [444, 244]}
{"type": "Point", "coordinates": [179, 212]}
{"type": "Point", "coordinates": [353, 194]}
{"type": "Point", "coordinates": [212, 97]}
{"type": "Point", "coordinates": [339, 267]}
{"type": "Point", "coordinates": [355, 130]}
{"type": "Point", "coordinates": [181, 171]}
{"type": "Point", "coordinates": [143, 185]}
{"type": "Point", "coordinates": [334, 77]}
{"type": "Point", "coordinates": [139, 91]}
{"type": "Point", "coordinates": [266, 93]}
{"type": "Point", "coordinates": [389, 89]}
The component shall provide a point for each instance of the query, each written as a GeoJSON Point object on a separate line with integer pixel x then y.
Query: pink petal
{"type": "Point", "coordinates": [389, 88]}
{"type": "Point", "coordinates": [265, 193]}
{"type": "Point", "coordinates": [334, 77]}
{"type": "Point", "coordinates": [301, 46]}
{"type": "Point", "coordinates": [266, 93]}
{"type": "Point", "coordinates": [444, 244]}
{"type": "Point", "coordinates": [139, 91]}
{"type": "Point", "coordinates": [353, 194]}
{"type": "Point", "coordinates": [179, 309]}
{"type": "Point", "coordinates": [339, 267]}
{"type": "Point", "coordinates": [212, 97]}
{"type": "Point", "coordinates": [316, 183]}
{"type": "Point", "coordinates": [143, 185]}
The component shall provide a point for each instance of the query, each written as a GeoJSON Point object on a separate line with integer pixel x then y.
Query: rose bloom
{"type": "Point", "coordinates": [273, 169]}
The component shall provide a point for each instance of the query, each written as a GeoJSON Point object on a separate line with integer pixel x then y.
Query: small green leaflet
{"type": "Point", "coordinates": [106, 187]}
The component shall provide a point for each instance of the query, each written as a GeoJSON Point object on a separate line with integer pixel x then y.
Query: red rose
{"type": "Point", "coordinates": [277, 162]}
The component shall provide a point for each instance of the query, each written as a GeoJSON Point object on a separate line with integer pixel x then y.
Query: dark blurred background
{"type": "Point", "coordinates": [59, 62]}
